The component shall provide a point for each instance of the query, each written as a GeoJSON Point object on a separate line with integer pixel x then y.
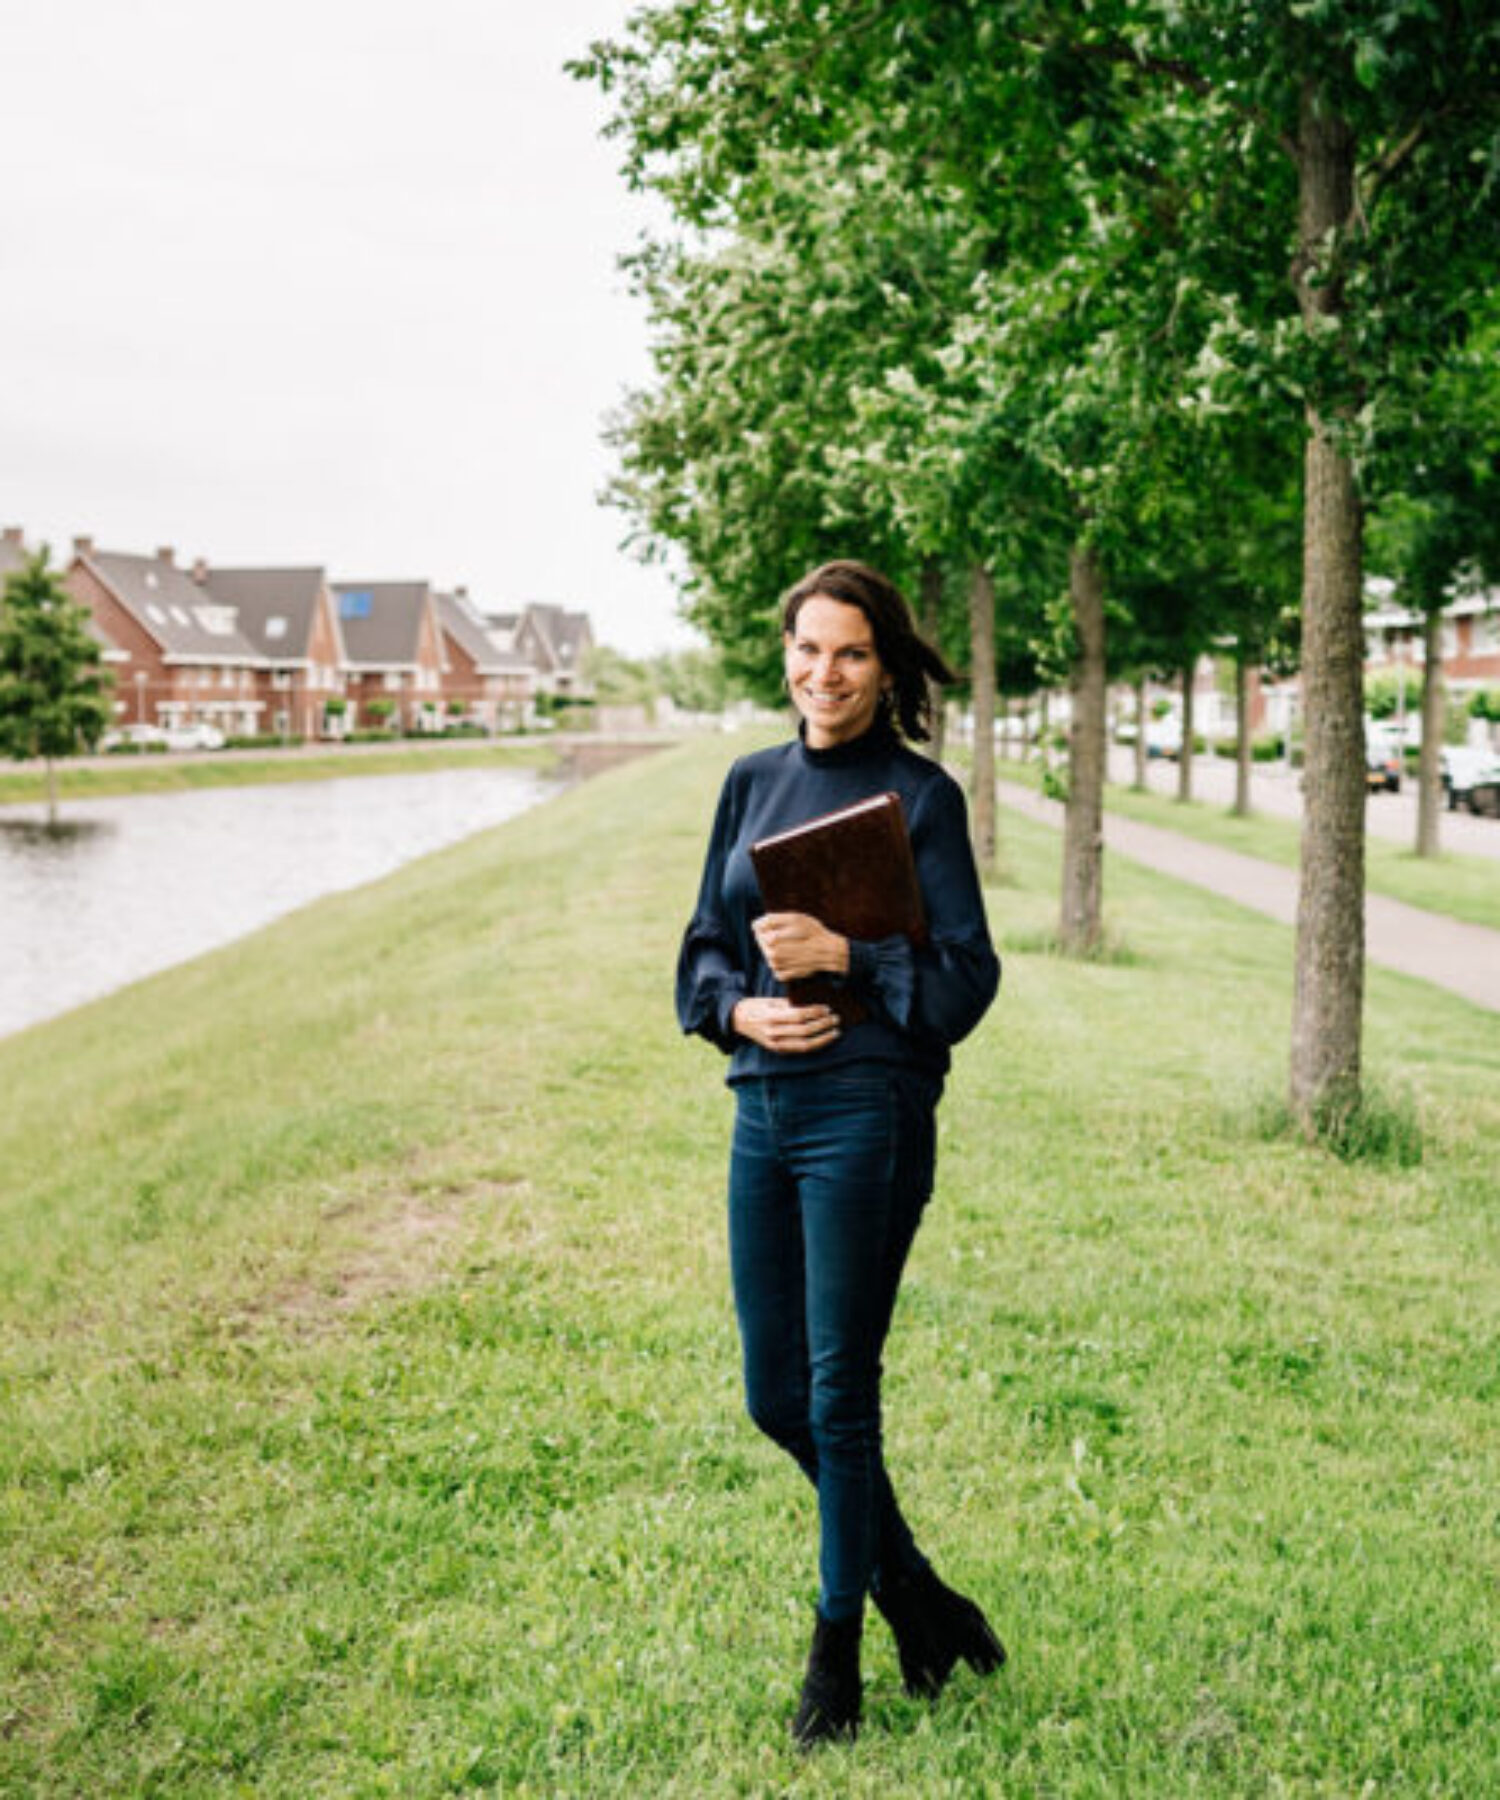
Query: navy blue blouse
{"type": "Point", "coordinates": [919, 1001]}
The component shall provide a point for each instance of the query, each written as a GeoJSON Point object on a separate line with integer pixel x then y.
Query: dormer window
{"type": "Point", "coordinates": [218, 621]}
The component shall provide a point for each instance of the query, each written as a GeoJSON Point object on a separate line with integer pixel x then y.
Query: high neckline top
{"type": "Point", "coordinates": [919, 1000]}
{"type": "Point", "coordinates": [879, 738]}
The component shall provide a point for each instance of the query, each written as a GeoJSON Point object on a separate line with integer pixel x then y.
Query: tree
{"type": "Point", "coordinates": [1435, 528]}
{"type": "Point", "coordinates": [54, 689]}
{"type": "Point", "coordinates": [1308, 189]}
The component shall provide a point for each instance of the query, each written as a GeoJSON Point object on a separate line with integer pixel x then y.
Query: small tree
{"type": "Point", "coordinates": [54, 689]}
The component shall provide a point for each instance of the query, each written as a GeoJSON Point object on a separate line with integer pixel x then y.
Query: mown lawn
{"type": "Point", "coordinates": [1461, 885]}
{"type": "Point", "coordinates": [370, 1419]}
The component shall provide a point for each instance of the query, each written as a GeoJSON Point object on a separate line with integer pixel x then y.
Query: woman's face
{"type": "Point", "coordinates": [834, 675]}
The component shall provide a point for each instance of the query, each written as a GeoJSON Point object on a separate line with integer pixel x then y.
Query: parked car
{"type": "Point", "coordinates": [1164, 736]}
{"type": "Point", "coordinates": [1382, 760]}
{"type": "Point", "coordinates": [1465, 769]}
{"type": "Point", "coordinates": [1484, 794]}
{"type": "Point", "coordinates": [139, 737]}
{"type": "Point", "coordinates": [197, 736]}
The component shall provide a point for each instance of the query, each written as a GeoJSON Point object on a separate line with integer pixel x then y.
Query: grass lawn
{"type": "Point", "coordinates": [1465, 887]}
{"type": "Point", "coordinates": [163, 775]}
{"type": "Point", "coordinates": [370, 1418]}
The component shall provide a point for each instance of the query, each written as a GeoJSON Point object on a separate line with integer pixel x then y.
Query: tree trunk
{"type": "Point", "coordinates": [51, 791]}
{"type": "Point", "coordinates": [1429, 768]}
{"type": "Point", "coordinates": [1140, 734]}
{"type": "Point", "coordinates": [932, 618]}
{"type": "Point", "coordinates": [1329, 993]}
{"type": "Point", "coordinates": [1083, 832]}
{"type": "Point", "coordinates": [1185, 754]}
{"type": "Point", "coordinates": [1044, 730]}
{"type": "Point", "coordinates": [982, 688]}
{"type": "Point", "coordinates": [1241, 733]}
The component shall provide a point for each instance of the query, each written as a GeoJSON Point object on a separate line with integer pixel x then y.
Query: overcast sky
{"type": "Point", "coordinates": [321, 281]}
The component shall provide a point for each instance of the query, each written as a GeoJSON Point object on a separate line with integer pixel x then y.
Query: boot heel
{"type": "Point", "coordinates": [978, 1645]}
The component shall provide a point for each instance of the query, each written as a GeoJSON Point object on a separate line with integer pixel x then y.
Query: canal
{"type": "Point", "coordinates": [124, 887]}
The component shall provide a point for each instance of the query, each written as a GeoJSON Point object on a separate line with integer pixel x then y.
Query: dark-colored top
{"type": "Point", "coordinates": [920, 1001]}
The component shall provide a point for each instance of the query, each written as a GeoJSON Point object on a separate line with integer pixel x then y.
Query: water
{"type": "Point", "coordinates": [124, 887]}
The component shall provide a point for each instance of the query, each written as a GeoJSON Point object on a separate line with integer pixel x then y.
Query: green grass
{"type": "Point", "coordinates": [370, 1418]}
{"type": "Point", "coordinates": [165, 775]}
{"type": "Point", "coordinates": [1464, 887]}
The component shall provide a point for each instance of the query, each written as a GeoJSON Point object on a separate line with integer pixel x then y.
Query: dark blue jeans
{"type": "Point", "coordinates": [827, 1181]}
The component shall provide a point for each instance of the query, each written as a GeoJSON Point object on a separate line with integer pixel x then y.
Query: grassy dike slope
{"type": "Point", "coordinates": [370, 1417]}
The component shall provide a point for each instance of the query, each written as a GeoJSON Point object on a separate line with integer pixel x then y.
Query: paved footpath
{"type": "Point", "coordinates": [1450, 953]}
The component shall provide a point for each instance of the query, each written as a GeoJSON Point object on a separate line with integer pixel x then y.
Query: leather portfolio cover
{"type": "Point", "coordinates": [853, 871]}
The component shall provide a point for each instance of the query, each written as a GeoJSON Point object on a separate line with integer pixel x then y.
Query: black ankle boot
{"type": "Point", "coordinates": [934, 1627]}
{"type": "Point", "coordinates": [830, 1702]}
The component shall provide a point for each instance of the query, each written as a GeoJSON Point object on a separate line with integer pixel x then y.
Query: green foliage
{"type": "Point", "coordinates": [618, 680]}
{"type": "Point", "coordinates": [1485, 704]}
{"type": "Point", "coordinates": [54, 689]}
{"type": "Point", "coordinates": [1382, 694]}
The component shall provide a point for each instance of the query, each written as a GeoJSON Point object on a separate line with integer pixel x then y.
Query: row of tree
{"type": "Point", "coordinates": [1091, 323]}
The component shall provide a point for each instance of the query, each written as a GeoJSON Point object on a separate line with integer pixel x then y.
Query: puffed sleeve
{"type": "Point", "coordinates": [943, 988]}
{"type": "Point", "coordinates": [710, 981]}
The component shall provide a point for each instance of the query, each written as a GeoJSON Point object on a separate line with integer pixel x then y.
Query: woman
{"type": "Point", "coordinates": [834, 1135]}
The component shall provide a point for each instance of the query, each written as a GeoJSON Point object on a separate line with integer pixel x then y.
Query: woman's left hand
{"type": "Point", "coordinates": [796, 945]}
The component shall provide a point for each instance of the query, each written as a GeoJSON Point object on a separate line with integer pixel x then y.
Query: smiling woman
{"type": "Point", "coordinates": [834, 1140]}
{"type": "Point", "coordinates": [833, 674]}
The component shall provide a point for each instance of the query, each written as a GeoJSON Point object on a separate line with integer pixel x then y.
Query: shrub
{"type": "Point", "coordinates": [1262, 749]}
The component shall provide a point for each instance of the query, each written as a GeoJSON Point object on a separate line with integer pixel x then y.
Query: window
{"type": "Point", "coordinates": [393, 681]}
{"type": "Point", "coordinates": [275, 627]}
{"type": "Point", "coordinates": [155, 614]}
{"type": "Point", "coordinates": [218, 621]}
{"type": "Point", "coordinates": [1486, 638]}
{"type": "Point", "coordinates": [180, 614]}
{"type": "Point", "coordinates": [355, 603]}
{"type": "Point", "coordinates": [281, 678]}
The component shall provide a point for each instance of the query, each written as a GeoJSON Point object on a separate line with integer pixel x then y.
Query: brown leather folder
{"type": "Point", "coordinates": [853, 871]}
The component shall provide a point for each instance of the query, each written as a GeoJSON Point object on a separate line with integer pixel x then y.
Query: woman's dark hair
{"type": "Point", "coordinates": [909, 660]}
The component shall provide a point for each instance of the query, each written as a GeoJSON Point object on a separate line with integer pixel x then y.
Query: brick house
{"type": "Point", "coordinates": [556, 642]}
{"type": "Point", "coordinates": [182, 657]}
{"type": "Point", "coordinates": [14, 553]}
{"type": "Point", "coordinates": [393, 652]}
{"type": "Point", "coordinates": [13, 550]}
{"type": "Point", "coordinates": [1469, 642]}
{"type": "Point", "coordinates": [493, 685]}
{"type": "Point", "coordinates": [290, 617]}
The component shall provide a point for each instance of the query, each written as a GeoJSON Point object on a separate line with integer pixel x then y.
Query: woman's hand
{"type": "Point", "coordinates": [784, 1029]}
{"type": "Point", "coordinates": [796, 945]}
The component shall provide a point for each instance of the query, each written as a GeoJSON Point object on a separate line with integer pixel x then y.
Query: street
{"type": "Point", "coordinates": [1275, 791]}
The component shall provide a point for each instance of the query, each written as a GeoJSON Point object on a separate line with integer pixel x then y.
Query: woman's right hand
{"type": "Point", "coordinates": [786, 1030]}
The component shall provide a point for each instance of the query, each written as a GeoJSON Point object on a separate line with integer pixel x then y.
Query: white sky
{"type": "Point", "coordinates": [321, 281]}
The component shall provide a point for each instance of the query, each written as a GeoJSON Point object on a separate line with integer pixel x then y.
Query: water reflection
{"type": "Point", "coordinates": [43, 841]}
{"type": "Point", "coordinates": [128, 886]}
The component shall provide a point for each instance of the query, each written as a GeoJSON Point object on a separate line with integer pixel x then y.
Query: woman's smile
{"type": "Point", "coordinates": [833, 672]}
